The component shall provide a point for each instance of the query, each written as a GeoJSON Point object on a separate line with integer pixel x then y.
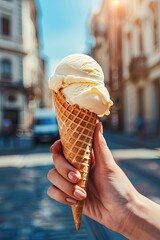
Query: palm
{"type": "Point", "coordinates": [93, 206]}
{"type": "Point", "coordinates": [102, 194]}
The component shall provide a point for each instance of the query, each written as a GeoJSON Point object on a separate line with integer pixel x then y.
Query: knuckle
{"type": "Point", "coordinates": [61, 166]}
{"type": "Point", "coordinates": [49, 191]}
{"type": "Point", "coordinates": [50, 173]}
{"type": "Point", "coordinates": [56, 158]}
{"type": "Point", "coordinates": [67, 188]}
{"type": "Point", "coordinates": [55, 194]}
{"type": "Point", "coordinates": [51, 147]}
{"type": "Point", "coordinates": [56, 147]}
{"type": "Point", "coordinates": [59, 196]}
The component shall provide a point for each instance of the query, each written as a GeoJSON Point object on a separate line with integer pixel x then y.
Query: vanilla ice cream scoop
{"type": "Point", "coordinates": [81, 80]}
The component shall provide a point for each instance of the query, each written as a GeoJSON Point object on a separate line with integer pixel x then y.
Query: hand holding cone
{"type": "Point", "coordinates": [80, 96]}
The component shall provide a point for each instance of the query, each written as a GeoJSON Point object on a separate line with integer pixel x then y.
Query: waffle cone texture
{"type": "Point", "coordinates": [76, 128]}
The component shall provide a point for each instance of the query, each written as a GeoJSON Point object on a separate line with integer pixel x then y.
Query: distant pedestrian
{"type": "Point", "coordinates": [140, 125]}
{"type": "Point", "coordinates": [115, 121]}
{"type": "Point", "coordinates": [7, 131]}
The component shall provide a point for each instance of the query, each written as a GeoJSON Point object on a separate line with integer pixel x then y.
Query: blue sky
{"type": "Point", "coordinates": [63, 28]}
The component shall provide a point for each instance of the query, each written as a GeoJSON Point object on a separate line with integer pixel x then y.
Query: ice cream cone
{"type": "Point", "coordinates": [76, 127]}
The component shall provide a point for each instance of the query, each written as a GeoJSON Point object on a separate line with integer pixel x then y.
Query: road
{"type": "Point", "coordinates": [141, 165]}
{"type": "Point", "coordinates": [26, 211]}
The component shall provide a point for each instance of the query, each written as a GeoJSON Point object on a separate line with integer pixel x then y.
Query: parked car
{"type": "Point", "coordinates": [45, 127]}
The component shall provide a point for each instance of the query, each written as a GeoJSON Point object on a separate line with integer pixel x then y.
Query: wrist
{"type": "Point", "coordinates": [134, 215]}
{"type": "Point", "coordinates": [141, 222]}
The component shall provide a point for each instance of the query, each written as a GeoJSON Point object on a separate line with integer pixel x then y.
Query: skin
{"type": "Point", "coordinates": [110, 199]}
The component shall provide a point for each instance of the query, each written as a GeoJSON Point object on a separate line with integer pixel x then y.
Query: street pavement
{"type": "Point", "coordinates": [15, 145]}
{"type": "Point", "coordinates": [28, 213]}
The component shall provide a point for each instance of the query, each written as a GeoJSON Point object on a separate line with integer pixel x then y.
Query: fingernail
{"type": "Point", "coordinates": [71, 200]}
{"type": "Point", "coordinates": [79, 194]}
{"type": "Point", "coordinates": [101, 127]}
{"type": "Point", "coordinates": [73, 176]}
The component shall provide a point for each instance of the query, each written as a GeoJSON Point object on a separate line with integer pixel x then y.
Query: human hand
{"type": "Point", "coordinates": [109, 191]}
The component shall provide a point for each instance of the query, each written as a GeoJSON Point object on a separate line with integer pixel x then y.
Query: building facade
{"type": "Point", "coordinates": [129, 47]}
{"type": "Point", "coordinates": [106, 28]}
{"type": "Point", "coordinates": [141, 54]}
{"type": "Point", "coordinates": [13, 97]}
{"type": "Point", "coordinates": [21, 69]}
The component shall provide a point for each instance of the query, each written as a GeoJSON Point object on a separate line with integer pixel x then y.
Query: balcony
{"type": "Point", "coordinates": [138, 68]}
{"type": "Point", "coordinates": [6, 78]}
{"type": "Point", "coordinates": [8, 83]}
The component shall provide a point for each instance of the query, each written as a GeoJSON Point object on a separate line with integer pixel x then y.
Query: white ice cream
{"type": "Point", "coordinates": [81, 80]}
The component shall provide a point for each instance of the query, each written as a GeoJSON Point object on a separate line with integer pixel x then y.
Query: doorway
{"type": "Point", "coordinates": [13, 115]}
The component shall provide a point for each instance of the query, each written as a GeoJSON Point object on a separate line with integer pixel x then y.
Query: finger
{"type": "Point", "coordinates": [65, 169]}
{"type": "Point", "coordinates": [102, 153]}
{"type": "Point", "coordinates": [56, 147]}
{"type": "Point", "coordinates": [69, 188]}
{"type": "Point", "coordinates": [61, 164]}
{"type": "Point", "coordinates": [60, 196]}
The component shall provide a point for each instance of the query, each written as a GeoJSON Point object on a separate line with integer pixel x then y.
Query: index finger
{"type": "Point", "coordinates": [56, 147]}
{"type": "Point", "coordinates": [64, 168]}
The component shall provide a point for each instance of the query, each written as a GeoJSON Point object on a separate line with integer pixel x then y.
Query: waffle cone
{"type": "Point", "coordinates": [76, 127]}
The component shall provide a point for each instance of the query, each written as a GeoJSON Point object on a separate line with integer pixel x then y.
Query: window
{"type": "Point", "coordinates": [6, 69]}
{"type": "Point", "coordinates": [12, 98]}
{"type": "Point", "coordinates": [6, 26]}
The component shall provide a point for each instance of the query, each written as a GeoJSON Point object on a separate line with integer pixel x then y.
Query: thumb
{"type": "Point", "coordinates": [103, 156]}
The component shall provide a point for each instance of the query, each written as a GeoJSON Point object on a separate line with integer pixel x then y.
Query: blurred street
{"type": "Point", "coordinates": [124, 39]}
{"type": "Point", "coordinates": [28, 213]}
